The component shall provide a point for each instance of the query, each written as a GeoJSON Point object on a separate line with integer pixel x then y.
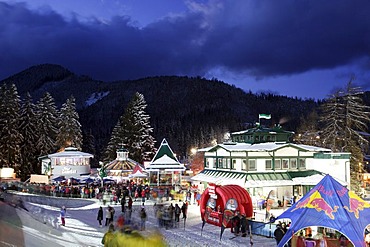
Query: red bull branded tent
{"type": "Point", "coordinates": [219, 204]}
{"type": "Point", "coordinates": [329, 204]}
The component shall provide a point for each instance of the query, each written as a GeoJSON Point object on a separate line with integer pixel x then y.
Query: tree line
{"type": "Point", "coordinates": [31, 130]}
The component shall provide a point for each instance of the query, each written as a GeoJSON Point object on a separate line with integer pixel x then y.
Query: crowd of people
{"type": "Point", "coordinates": [305, 238]}
{"type": "Point", "coordinates": [169, 216]}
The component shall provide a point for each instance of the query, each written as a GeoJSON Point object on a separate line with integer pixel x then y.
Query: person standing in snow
{"type": "Point", "coordinates": [63, 215]}
{"type": "Point", "coordinates": [112, 212]}
{"type": "Point", "coordinates": [143, 219]}
{"type": "Point", "coordinates": [100, 216]}
{"type": "Point", "coordinates": [108, 215]}
{"type": "Point", "coordinates": [123, 202]}
{"type": "Point", "coordinates": [130, 203]}
{"type": "Point", "coordinates": [177, 213]}
{"type": "Point", "coordinates": [184, 210]}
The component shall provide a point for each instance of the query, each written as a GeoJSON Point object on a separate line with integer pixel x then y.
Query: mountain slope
{"type": "Point", "coordinates": [187, 111]}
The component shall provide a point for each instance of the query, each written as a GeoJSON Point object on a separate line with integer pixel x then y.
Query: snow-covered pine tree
{"type": "Point", "coordinates": [9, 127]}
{"type": "Point", "coordinates": [114, 143]}
{"type": "Point", "coordinates": [3, 107]}
{"type": "Point", "coordinates": [137, 130]}
{"type": "Point", "coordinates": [29, 129]}
{"type": "Point", "coordinates": [133, 130]}
{"type": "Point", "coordinates": [69, 128]}
{"type": "Point", "coordinates": [47, 114]}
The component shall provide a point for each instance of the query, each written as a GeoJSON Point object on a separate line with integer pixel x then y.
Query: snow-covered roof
{"type": "Point", "coordinates": [267, 146]}
{"type": "Point", "coordinates": [165, 159]}
{"type": "Point", "coordinates": [71, 152]}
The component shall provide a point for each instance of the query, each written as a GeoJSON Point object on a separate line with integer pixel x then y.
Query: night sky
{"type": "Point", "coordinates": [297, 48]}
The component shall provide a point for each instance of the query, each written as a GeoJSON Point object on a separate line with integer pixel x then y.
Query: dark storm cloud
{"type": "Point", "coordinates": [262, 38]}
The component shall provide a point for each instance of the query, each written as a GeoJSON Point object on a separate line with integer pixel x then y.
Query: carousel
{"type": "Point", "coordinates": [123, 168]}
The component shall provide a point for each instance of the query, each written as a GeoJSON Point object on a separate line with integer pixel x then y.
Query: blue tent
{"type": "Point", "coordinates": [88, 180]}
{"type": "Point", "coordinates": [59, 179]}
{"type": "Point", "coordinates": [331, 205]}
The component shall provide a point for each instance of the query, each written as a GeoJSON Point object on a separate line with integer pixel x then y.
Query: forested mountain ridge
{"type": "Point", "coordinates": [187, 111]}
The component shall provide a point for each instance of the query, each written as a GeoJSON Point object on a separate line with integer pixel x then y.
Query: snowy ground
{"type": "Point", "coordinates": [40, 226]}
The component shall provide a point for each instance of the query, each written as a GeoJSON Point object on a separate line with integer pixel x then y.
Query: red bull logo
{"type": "Point", "coordinates": [356, 204]}
{"type": "Point", "coordinates": [317, 202]}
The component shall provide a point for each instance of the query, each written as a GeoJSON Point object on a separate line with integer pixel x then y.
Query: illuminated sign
{"type": "Point", "coordinates": [68, 170]}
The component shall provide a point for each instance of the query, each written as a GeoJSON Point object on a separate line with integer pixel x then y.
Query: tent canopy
{"type": "Point", "coordinates": [329, 204]}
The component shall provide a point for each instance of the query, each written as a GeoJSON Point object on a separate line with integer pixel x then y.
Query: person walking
{"type": "Point", "coordinates": [63, 215]}
{"type": "Point", "coordinates": [143, 219]}
{"type": "Point", "coordinates": [184, 210]}
{"type": "Point", "coordinates": [129, 204]}
{"type": "Point", "coordinates": [112, 211]}
{"type": "Point", "coordinates": [236, 223]}
{"type": "Point", "coordinates": [108, 215]}
{"type": "Point", "coordinates": [243, 225]}
{"type": "Point", "coordinates": [177, 212]}
{"type": "Point", "coordinates": [100, 216]}
{"type": "Point", "coordinates": [123, 202]}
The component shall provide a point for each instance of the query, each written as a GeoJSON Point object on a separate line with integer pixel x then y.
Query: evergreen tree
{"type": "Point", "coordinates": [137, 129]}
{"type": "Point", "coordinates": [47, 114]}
{"type": "Point", "coordinates": [69, 132]}
{"type": "Point", "coordinates": [3, 115]}
{"type": "Point", "coordinates": [133, 130]}
{"type": "Point", "coordinates": [115, 142]}
{"type": "Point", "coordinates": [308, 132]}
{"type": "Point", "coordinates": [11, 137]}
{"type": "Point", "coordinates": [88, 144]}
{"type": "Point", "coordinates": [29, 129]}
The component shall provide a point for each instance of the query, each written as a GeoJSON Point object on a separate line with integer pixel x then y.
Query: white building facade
{"type": "Point", "coordinates": [264, 160]}
{"type": "Point", "coordinates": [68, 163]}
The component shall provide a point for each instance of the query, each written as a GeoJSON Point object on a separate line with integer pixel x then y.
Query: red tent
{"type": "Point", "coordinates": [219, 200]}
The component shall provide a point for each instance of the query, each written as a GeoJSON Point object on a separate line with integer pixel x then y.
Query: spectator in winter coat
{"type": "Point", "coordinates": [184, 210]}
{"type": "Point", "coordinates": [129, 204]}
{"type": "Point", "coordinates": [177, 212]}
{"type": "Point", "coordinates": [108, 215]}
{"type": "Point", "coordinates": [278, 234]}
{"type": "Point", "coordinates": [243, 225]}
{"type": "Point", "coordinates": [112, 211]}
{"type": "Point", "coordinates": [236, 223]}
{"type": "Point", "coordinates": [63, 215]}
{"type": "Point", "coordinates": [123, 202]}
{"type": "Point", "coordinates": [143, 219]}
{"type": "Point", "coordinates": [100, 216]}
